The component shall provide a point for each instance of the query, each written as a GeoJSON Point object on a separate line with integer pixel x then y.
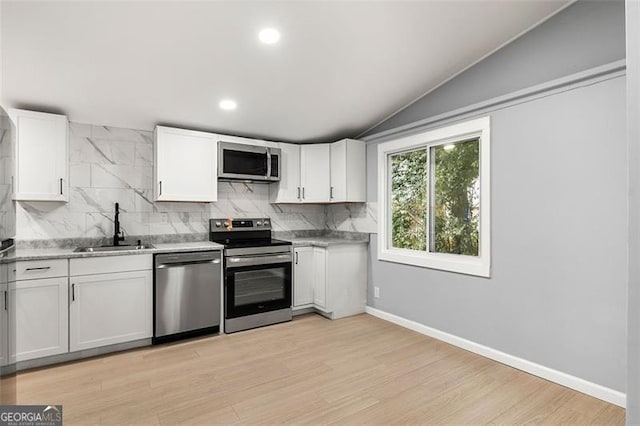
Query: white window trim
{"type": "Point", "coordinates": [473, 265]}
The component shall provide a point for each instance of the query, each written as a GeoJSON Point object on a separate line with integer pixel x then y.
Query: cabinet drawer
{"type": "Point", "coordinates": [36, 269]}
{"type": "Point", "coordinates": [109, 264]}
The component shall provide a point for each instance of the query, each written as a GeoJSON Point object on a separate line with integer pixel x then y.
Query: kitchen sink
{"type": "Point", "coordinates": [114, 248]}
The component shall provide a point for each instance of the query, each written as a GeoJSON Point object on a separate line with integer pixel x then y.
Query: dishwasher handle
{"type": "Point", "coordinates": [181, 259]}
{"type": "Point", "coordinates": [180, 264]}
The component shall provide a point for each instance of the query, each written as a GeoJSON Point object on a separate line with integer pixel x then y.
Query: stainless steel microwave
{"type": "Point", "coordinates": [248, 162]}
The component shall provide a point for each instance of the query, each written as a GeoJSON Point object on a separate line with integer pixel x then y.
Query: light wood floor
{"type": "Point", "coordinates": [310, 371]}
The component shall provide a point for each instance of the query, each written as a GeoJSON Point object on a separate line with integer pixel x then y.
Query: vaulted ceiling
{"type": "Point", "coordinates": [339, 68]}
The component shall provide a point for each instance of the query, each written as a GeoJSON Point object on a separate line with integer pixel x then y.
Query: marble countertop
{"type": "Point", "coordinates": [325, 241]}
{"type": "Point", "coordinates": [67, 253]}
{"type": "Point", "coordinates": [63, 249]}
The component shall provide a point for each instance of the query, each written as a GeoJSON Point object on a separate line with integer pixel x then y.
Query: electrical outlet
{"type": "Point", "coordinates": [376, 292]}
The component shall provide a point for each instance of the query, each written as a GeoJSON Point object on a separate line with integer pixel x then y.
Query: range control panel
{"type": "Point", "coordinates": [231, 224]}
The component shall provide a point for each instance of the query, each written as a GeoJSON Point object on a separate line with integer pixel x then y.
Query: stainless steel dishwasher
{"type": "Point", "coordinates": [187, 295]}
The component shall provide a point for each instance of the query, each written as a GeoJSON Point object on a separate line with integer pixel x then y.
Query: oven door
{"type": "Point", "coordinates": [256, 284]}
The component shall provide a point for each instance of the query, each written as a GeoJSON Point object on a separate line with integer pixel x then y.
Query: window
{"type": "Point", "coordinates": [434, 199]}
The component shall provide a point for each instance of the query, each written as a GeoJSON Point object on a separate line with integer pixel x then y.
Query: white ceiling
{"type": "Point", "coordinates": [340, 67]}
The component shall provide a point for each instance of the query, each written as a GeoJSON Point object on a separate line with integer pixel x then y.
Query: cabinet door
{"type": "Point", "coordinates": [110, 308]}
{"type": "Point", "coordinates": [314, 173]}
{"type": "Point", "coordinates": [41, 156]}
{"type": "Point", "coordinates": [4, 327]}
{"type": "Point", "coordinates": [320, 277]}
{"type": "Point", "coordinates": [288, 189]}
{"type": "Point", "coordinates": [185, 165]}
{"type": "Point", "coordinates": [348, 171]}
{"type": "Point", "coordinates": [303, 276]}
{"type": "Point", "coordinates": [38, 318]}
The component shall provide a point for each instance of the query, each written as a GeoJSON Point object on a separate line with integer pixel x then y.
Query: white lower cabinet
{"type": "Point", "coordinates": [346, 278]}
{"type": "Point", "coordinates": [38, 324]}
{"type": "Point", "coordinates": [4, 327]}
{"type": "Point", "coordinates": [303, 276]}
{"type": "Point", "coordinates": [320, 277]}
{"type": "Point", "coordinates": [109, 308]}
{"type": "Point", "coordinates": [331, 279]}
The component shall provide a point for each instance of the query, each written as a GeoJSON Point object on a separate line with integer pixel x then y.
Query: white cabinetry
{"type": "Point", "coordinates": [322, 173]}
{"type": "Point", "coordinates": [320, 277]}
{"type": "Point", "coordinates": [303, 277]}
{"type": "Point", "coordinates": [287, 190]}
{"type": "Point", "coordinates": [314, 173]}
{"type": "Point", "coordinates": [348, 171]}
{"type": "Point", "coordinates": [346, 279]}
{"type": "Point", "coordinates": [185, 166]}
{"type": "Point", "coordinates": [41, 156]}
{"type": "Point", "coordinates": [113, 304]}
{"type": "Point", "coordinates": [331, 279]}
{"type": "Point", "coordinates": [38, 319]}
{"type": "Point", "coordinates": [4, 317]}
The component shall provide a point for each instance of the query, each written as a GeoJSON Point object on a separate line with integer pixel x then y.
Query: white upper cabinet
{"type": "Point", "coordinates": [287, 190]}
{"type": "Point", "coordinates": [322, 173]}
{"type": "Point", "coordinates": [314, 173]}
{"type": "Point", "coordinates": [348, 171]}
{"type": "Point", "coordinates": [41, 154]}
{"type": "Point", "coordinates": [185, 165]}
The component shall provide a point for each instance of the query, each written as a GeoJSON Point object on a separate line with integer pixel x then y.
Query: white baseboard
{"type": "Point", "coordinates": [564, 379]}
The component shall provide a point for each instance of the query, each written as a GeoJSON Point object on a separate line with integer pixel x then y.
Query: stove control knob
{"type": "Point", "coordinates": [258, 223]}
{"type": "Point", "coordinates": [218, 224]}
{"type": "Point", "coordinates": [265, 223]}
{"type": "Point", "coordinates": [226, 224]}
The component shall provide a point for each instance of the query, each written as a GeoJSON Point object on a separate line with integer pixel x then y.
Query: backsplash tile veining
{"type": "Point", "coordinates": [7, 208]}
{"type": "Point", "coordinates": [109, 165]}
{"type": "Point", "coordinates": [353, 217]}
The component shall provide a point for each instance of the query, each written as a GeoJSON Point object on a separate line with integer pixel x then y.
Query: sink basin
{"type": "Point", "coordinates": [113, 248]}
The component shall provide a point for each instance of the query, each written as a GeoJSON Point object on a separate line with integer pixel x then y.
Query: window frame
{"type": "Point", "coordinates": [480, 265]}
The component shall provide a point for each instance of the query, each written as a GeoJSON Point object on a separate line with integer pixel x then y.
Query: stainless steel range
{"type": "Point", "coordinates": [257, 273]}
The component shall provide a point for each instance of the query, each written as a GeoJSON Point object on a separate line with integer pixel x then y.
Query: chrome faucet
{"type": "Point", "coordinates": [118, 235]}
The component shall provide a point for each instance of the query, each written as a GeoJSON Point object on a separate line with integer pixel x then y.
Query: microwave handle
{"type": "Point", "coordinates": [268, 164]}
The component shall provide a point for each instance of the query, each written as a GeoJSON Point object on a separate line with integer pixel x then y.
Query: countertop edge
{"type": "Point", "coordinates": [319, 242]}
{"type": "Point", "coordinates": [70, 254]}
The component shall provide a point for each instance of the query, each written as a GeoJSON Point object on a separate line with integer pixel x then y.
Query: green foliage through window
{"type": "Point", "coordinates": [454, 204]}
{"type": "Point", "coordinates": [457, 198]}
{"type": "Point", "coordinates": [409, 200]}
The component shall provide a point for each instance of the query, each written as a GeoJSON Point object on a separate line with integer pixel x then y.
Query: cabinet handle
{"type": "Point", "coordinates": [42, 268]}
{"type": "Point", "coordinates": [60, 186]}
{"type": "Point", "coordinates": [298, 193]}
{"type": "Point", "coordinates": [160, 192]}
{"type": "Point", "coordinates": [5, 300]}
{"type": "Point", "coordinates": [331, 193]}
{"type": "Point", "coordinates": [297, 257]}
{"type": "Point", "coordinates": [73, 292]}
{"type": "Point", "coordinates": [303, 192]}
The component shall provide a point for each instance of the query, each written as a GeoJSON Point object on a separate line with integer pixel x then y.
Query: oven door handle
{"type": "Point", "coordinates": [237, 261]}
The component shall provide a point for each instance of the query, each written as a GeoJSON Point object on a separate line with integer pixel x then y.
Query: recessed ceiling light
{"type": "Point", "coordinates": [269, 35]}
{"type": "Point", "coordinates": [228, 104]}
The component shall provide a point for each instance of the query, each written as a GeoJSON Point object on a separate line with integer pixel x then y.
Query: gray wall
{"type": "Point", "coordinates": [557, 292]}
{"type": "Point", "coordinates": [633, 137]}
{"type": "Point", "coordinates": [584, 35]}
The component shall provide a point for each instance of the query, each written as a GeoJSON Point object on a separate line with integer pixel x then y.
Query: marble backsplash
{"type": "Point", "coordinates": [109, 165]}
{"type": "Point", "coordinates": [7, 207]}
